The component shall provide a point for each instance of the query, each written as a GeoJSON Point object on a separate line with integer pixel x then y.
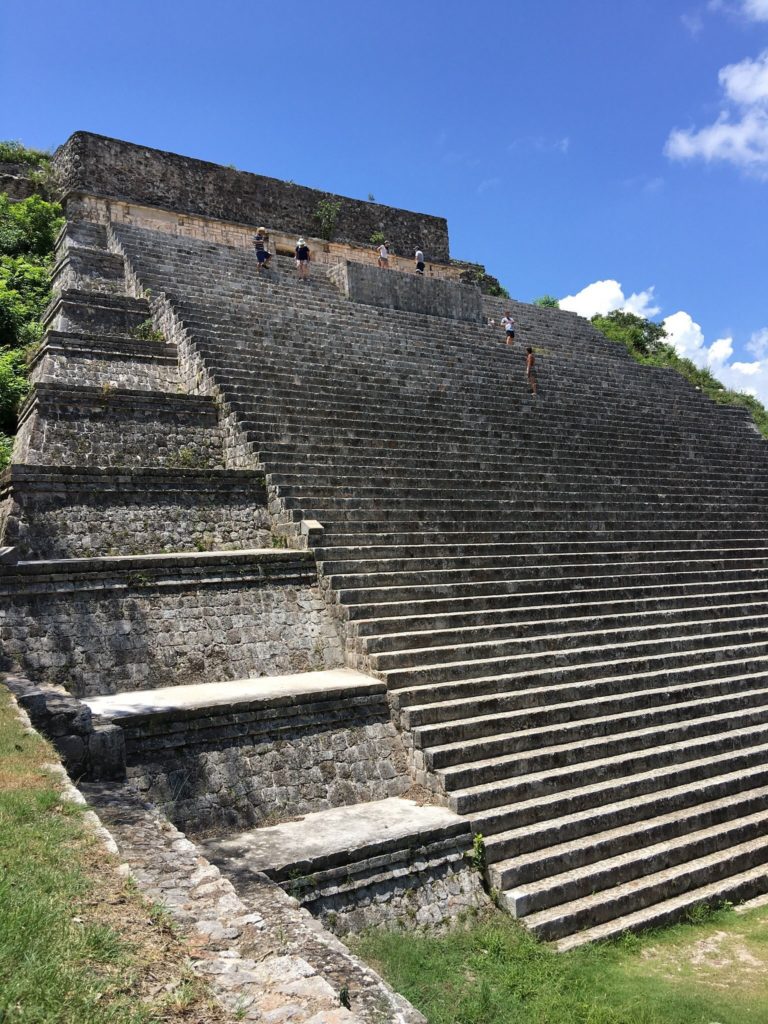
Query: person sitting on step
{"type": "Point", "coordinates": [263, 255]}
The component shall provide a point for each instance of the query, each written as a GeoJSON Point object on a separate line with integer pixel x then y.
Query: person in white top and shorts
{"type": "Point", "coordinates": [384, 254]}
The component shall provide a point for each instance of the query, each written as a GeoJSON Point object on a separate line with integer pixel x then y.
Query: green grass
{"type": "Point", "coordinates": [77, 944]}
{"type": "Point", "coordinates": [493, 972]}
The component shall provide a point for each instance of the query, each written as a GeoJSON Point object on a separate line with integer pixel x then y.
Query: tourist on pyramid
{"type": "Point", "coordinates": [302, 258]}
{"type": "Point", "coordinates": [530, 372]}
{"type": "Point", "coordinates": [419, 257]}
{"type": "Point", "coordinates": [384, 255]}
{"type": "Point", "coordinates": [509, 326]}
{"type": "Point", "coordinates": [263, 255]}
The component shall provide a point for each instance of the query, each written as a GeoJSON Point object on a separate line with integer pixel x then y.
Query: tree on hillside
{"type": "Point", "coordinates": [642, 337]}
{"type": "Point", "coordinates": [644, 340]}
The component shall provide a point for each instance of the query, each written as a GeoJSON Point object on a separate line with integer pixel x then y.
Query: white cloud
{"type": "Point", "coordinates": [739, 135]}
{"type": "Point", "coordinates": [746, 82]}
{"type": "Point", "coordinates": [683, 333]}
{"type": "Point", "coordinates": [488, 183]}
{"type": "Point", "coordinates": [604, 296]}
{"type": "Point", "coordinates": [748, 369]}
{"type": "Point", "coordinates": [720, 351]}
{"type": "Point", "coordinates": [758, 343]}
{"type": "Point", "coordinates": [757, 10]}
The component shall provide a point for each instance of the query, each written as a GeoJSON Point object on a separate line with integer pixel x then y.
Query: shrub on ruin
{"type": "Point", "coordinates": [644, 340]}
{"type": "Point", "coordinates": [15, 152]}
{"type": "Point", "coordinates": [547, 301]}
{"type": "Point", "coordinates": [326, 217]}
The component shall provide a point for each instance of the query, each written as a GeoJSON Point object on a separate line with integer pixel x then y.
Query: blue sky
{"type": "Point", "coordinates": [619, 146]}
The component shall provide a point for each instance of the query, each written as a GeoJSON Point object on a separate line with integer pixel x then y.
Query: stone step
{"type": "Point", "coordinates": [580, 658]}
{"type": "Point", "coordinates": [525, 876]}
{"type": "Point", "coordinates": [725, 749]}
{"type": "Point", "coordinates": [619, 583]}
{"type": "Point", "coordinates": [489, 739]}
{"type": "Point", "coordinates": [744, 885]}
{"type": "Point", "coordinates": [491, 625]}
{"type": "Point", "coordinates": [576, 720]}
{"type": "Point", "coordinates": [338, 837]}
{"type": "Point", "coordinates": [643, 636]}
{"type": "Point", "coordinates": [723, 866]}
{"type": "Point", "coordinates": [524, 899]}
{"type": "Point", "coordinates": [431, 704]}
{"type": "Point", "coordinates": [633, 818]}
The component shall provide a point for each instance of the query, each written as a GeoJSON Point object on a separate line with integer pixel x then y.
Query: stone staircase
{"type": "Point", "coordinates": [566, 596]}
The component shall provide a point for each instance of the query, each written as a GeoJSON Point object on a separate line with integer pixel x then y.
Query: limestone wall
{"type": "Point", "coordinates": [109, 427]}
{"type": "Point", "coordinates": [410, 292]}
{"type": "Point", "coordinates": [71, 513]}
{"type": "Point", "coordinates": [107, 625]}
{"type": "Point", "coordinates": [251, 765]}
{"type": "Point", "coordinates": [96, 362]}
{"type": "Point", "coordinates": [96, 165]}
{"type": "Point", "coordinates": [424, 886]}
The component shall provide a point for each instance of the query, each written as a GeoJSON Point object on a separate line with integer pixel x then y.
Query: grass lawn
{"type": "Point", "coordinates": [78, 945]}
{"type": "Point", "coordinates": [492, 972]}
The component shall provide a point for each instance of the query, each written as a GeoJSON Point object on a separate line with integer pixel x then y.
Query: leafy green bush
{"type": "Point", "coordinates": [548, 301]}
{"type": "Point", "coordinates": [644, 340]}
{"type": "Point", "coordinates": [6, 446]}
{"type": "Point", "coordinates": [326, 216]}
{"type": "Point", "coordinates": [16, 153]}
{"type": "Point", "coordinates": [14, 386]}
{"type": "Point", "coordinates": [378, 238]}
{"type": "Point", "coordinates": [28, 230]}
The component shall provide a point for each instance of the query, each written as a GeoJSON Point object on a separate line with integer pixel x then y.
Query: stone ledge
{"type": "Point", "coordinates": [143, 572]}
{"type": "Point", "coordinates": [342, 836]}
{"type": "Point", "coordinates": [173, 702]}
{"type": "Point", "coordinates": [104, 346]}
{"type": "Point", "coordinates": [51, 396]}
{"type": "Point", "coordinates": [61, 481]}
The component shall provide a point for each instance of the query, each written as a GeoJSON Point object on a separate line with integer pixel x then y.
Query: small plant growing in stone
{"type": "Point", "coordinates": [477, 853]}
{"type": "Point", "coordinates": [186, 458]}
{"type": "Point", "coordinates": [146, 331]}
{"type": "Point", "coordinates": [299, 885]}
{"type": "Point", "coordinates": [344, 999]}
{"type": "Point", "coordinates": [371, 197]}
{"type": "Point", "coordinates": [138, 579]}
{"type": "Point", "coordinates": [106, 389]}
{"type": "Point", "coordinates": [326, 215]}
{"type": "Point", "coordinates": [278, 540]}
{"type": "Point", "coordinates": [378, 238]}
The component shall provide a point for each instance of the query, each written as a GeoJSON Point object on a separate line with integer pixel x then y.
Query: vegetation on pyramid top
{"type": "Point", "coordinates": [16, 153]}
{"type": "Point", "coordinates": [644, 340]}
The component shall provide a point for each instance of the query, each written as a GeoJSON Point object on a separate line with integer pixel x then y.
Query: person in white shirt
{"type": "Point", "coordinates": [509, 327]}
{"type": "Point", "coordinates": [419, 257]}
{"type": "Point", "coordinates": [384, 254]}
